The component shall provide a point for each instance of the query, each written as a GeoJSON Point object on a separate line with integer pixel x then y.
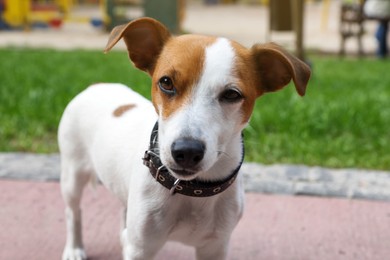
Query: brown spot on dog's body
{"type": "Point", "coordinates": [183, 62]}
{"type": "Point", "coordinates": [119, 111]}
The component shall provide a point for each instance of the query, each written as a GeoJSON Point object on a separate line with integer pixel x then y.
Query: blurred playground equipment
{"type": "Point", "coordinates": [24, 14]}
{"type": "Point", "coordinates": [53, 13]}
{"type": "Point", "coordinates": [16, 13]}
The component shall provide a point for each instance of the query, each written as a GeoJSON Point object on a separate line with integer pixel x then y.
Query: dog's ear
{"type": "Point", "coordinates": [275, 68]}
{"type": "Point", "coordinates": [144, 38]}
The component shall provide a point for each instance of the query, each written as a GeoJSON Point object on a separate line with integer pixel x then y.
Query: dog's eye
{"type": "Point", "coordinates": [166, 86]}
{"type": "Point", "coordinates": [230, 96]}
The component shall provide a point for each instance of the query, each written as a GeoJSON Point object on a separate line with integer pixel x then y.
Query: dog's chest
{"type": "Point", "coordinates": [193, 226]}
{"type": "Point", "coordinates": [197, 223]}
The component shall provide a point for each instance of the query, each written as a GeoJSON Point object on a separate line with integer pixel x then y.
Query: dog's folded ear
{"type": "Point", "coordinates": [144, 38]}
{"type": "Point", "coordinates": [276, 67]}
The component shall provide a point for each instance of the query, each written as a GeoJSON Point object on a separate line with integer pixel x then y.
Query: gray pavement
{"type": "Point", "coordinates": [273, 179]}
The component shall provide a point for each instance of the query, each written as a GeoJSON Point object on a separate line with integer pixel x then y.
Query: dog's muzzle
{"type": "Point", "coordinates": [187, 154]}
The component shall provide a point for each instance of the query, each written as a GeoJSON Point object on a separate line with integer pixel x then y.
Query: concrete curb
{"type": "Point", "coordinates": [29, 166]}
{"type": "Point", "coordinates": [317, 181]}
{"type": "Point", "coordinates": [274, 179]}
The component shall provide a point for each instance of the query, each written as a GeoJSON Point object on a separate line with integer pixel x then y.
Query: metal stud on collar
{"type": "Point", "coordinates": [158, 171]}
{"type": "Point", "coordinates": [175, 185]}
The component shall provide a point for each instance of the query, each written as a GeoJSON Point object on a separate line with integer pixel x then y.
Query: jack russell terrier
{"type": "Point", "coordinates": [173, 162]}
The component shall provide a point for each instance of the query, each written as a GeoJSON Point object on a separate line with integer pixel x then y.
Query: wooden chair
{"type": "Point", "coordinates": [351, 24]}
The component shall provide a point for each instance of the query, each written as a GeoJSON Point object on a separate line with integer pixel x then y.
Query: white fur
{"type": "Point", "coordinates": [93, 141]}
{"type": "Point", "coordinates": [199, 137]}
{"type": "Point", "coordinates": [222, 136]}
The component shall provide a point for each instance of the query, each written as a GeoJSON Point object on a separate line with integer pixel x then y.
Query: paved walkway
{"type": "Point", "coordinates": [273, 227]}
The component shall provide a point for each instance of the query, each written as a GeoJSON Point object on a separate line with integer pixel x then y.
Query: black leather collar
{"type": "Point", "coordinates": [193, 188]}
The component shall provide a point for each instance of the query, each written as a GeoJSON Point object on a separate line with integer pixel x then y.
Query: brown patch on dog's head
{"type": "Point", "coordinates": [119, 111]}
{"type": "Point", "coordinates": [144, 38]}
{"type": "Point", "coordinates": [276, 68]}
{"type": "Point", "coordinates": [267, 68]}
{"type": "Point", "coordinates": [182, 60]}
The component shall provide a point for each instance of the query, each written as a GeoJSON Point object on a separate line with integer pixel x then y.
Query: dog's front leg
{"type": "Point", "coordinates": [216, 250]}
{"type": "Point", "coordinates": [146, 231]}
{"type": "Point", "coordinates": [140, 248]}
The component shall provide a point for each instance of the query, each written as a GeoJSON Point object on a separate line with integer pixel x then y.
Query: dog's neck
{"type": "Point", "coordinates": [193, 188]}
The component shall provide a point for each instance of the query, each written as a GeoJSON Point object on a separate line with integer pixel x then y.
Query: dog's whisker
{"type": "Point", "coordinates": [225, 154]}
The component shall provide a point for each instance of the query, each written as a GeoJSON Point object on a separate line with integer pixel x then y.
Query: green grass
{"type": "Point", "coordinates": [36, 85]}
{"type": "Point", "coordinates": [343, 121]}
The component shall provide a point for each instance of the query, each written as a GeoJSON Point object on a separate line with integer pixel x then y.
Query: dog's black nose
{"type": "Point", "coordinates": [187, 152]}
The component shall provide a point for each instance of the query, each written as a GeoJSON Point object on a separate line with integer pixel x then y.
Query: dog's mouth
{"type": "Point", "coordinates": [183, 174]}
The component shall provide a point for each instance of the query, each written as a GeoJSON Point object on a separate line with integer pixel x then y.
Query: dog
{"type": "Point", "coordinates": [173, 162]}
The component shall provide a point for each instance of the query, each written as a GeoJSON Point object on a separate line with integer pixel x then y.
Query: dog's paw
{"type": "Point", "coordinates": [74, 254]}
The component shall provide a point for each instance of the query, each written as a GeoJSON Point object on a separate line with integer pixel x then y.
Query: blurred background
{"type": "Point", "coordinates": [316, 24]}
{"type": "Point", "coordinates": [52, 50]}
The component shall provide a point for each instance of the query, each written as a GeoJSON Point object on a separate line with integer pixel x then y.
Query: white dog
{"type": "Point", "coordinates": [186, 186]}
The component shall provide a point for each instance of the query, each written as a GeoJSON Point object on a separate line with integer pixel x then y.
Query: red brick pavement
{"type": "Point", "coordinates": [273, 227]}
